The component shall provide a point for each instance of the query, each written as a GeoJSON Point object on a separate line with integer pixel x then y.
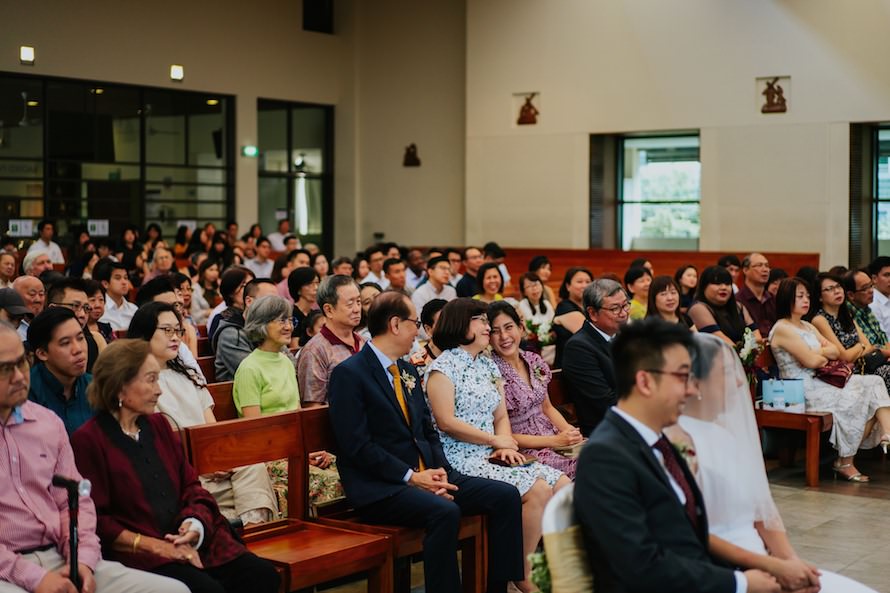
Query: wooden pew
{"type": "Point", "coordinates": [601, 261]}
{"type": "Point", "coordinates": [812, 423]}
{"type": "Point", "coordinates": [560, 399]}
{"type": "Point", "coordinates": [223, 404]}
{"type": "Point", "coordinates": [204, 346]}
{"type": "Point", "coordinates": [308, 553]}
{"type": "Point", "coordinates": [406, 542]}
{"type": "Point", "coordinates": [206, 364]}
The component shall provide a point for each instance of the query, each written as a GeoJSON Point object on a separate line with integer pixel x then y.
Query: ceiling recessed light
{"type": "Point", "coordinates": [26, 55]}
{"type": "Point", "coordinates": [212, 102]}
{"type": "Point", "coordinates": [97, 91]}
{"type": "Point", "coordinates": [33, 103]}
{"type": "Point", "coordinates": [177, 72]}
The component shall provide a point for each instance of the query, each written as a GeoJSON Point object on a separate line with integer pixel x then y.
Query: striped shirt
{"type": "Point", "coordinates": [33, 447]}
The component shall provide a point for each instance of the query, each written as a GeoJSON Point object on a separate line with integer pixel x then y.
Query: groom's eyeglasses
{"type": "Point", "coordinates": [686, 377]}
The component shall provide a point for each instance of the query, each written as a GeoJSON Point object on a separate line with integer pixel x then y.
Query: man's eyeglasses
{"type": "Point", "coordinates": [868, 286]}
{"type": "Point", "coordinates": [416, 322]}
{"type": "Point", "coordinates": [686, 377]}
{"type": "Point", "coordinates": [8, 368]}
{"type": "Point", "coordinates": [617, 309]}
{"type": "Point", "coordinates": [170, 331]}
{"type": "Point", "coordinates": [73, 306]}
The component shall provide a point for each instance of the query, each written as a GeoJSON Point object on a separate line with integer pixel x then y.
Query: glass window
{"type": "Point", "coordinates": [72, 150]}
{"type": "Point", "coordinates": [296, 180]}
{"type": "Point", "coordinates": [660, 192]}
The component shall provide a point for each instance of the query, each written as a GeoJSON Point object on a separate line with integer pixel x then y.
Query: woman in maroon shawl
{"type": "Point", "coordinates": [152, 512]}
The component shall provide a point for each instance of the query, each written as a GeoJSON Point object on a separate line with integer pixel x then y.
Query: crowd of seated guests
{"type": "Point", "coordinates": [279, 326]}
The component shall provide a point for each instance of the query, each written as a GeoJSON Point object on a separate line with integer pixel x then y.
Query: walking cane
{"type": "Point", "coordinates": [75, 489]}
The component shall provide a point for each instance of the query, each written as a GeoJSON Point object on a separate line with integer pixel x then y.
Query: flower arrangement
{"type": "Point", "coordinates": [540, 572]}
{"type": "Point", "coordinates": [408, 380]}
{"type": "Point", "coordinates": [539, 373]}
{"type": "Point", "coordinates": [748, 350]}
{"type": "Point", "coordinates": [539, 334]}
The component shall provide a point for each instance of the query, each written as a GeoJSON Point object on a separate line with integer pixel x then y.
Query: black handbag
{"type": "Point", "coordinates": [871, 362]}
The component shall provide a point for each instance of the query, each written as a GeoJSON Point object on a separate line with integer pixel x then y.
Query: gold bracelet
{"type": "Point", "coordinates": [136, 541]}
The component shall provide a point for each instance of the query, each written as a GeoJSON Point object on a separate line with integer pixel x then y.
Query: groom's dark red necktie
{"type": "Point", "coordinates": [673, 468]}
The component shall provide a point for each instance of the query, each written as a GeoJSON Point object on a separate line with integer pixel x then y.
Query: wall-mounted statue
{"type": "Point", "coordinates": [411, 159]}
{"type": "Point", "coordinates": [775, 97]}
{"type": "Point", "coordinates": [528, 113]}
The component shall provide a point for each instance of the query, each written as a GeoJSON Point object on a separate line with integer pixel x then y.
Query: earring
{"type": "Point", "coordinates": [120, 403]}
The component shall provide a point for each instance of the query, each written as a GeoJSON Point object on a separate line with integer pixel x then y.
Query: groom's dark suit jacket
{"type": "Point", "coordinates": [376, 444]}
{"type": "Point", "coordinates": [589, 376]}
{"type": "Point", "coordinates": [637, 534]}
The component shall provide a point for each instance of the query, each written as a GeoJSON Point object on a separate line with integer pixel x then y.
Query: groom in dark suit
{"type": "Point", "coordinates": [391, 462]}
{"type": "Point", "coordinates": [587, 360]}
{"type": "Point", "coordinates": [642, 516]}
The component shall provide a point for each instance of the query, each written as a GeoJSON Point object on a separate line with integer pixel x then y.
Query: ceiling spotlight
{"type": "Point", "coordinates": [97, 91]}
{"type": "Point", "coordinates": [26, 55]}
{"type": "Point", "coordinates": [32, 103]}
{"type": "Point", "coordinates": [177, 72]}
{"type": "Point", "coordinates": [213, 102]}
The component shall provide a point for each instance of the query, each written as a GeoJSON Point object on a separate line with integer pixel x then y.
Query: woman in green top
{"type": "Point", "coordinates": [489, 283]}
{"type": "Point", "coordinates": [266, 383]}
{"type": "Point", "coordinates": [636, 282]}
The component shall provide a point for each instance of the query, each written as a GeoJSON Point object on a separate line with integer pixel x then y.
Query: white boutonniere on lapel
{"type": "Point", "coordinates": [408, 380]}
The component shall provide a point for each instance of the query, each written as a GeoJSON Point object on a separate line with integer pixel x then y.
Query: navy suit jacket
{"type": "Point", "coordinates": [589, 376]}
{"type": "Point", "coordinates": [376, 445]}
{"type": "Point", "coordinates": [637, 534]}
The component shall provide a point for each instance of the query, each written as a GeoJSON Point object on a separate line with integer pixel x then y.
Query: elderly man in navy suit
{"type": "Point", "coordinates": [587, 360]}
{"type": "Point", "coordinates": [392, 464]}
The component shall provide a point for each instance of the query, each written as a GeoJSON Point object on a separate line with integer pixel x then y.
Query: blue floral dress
{"type": "Point", "coordinates": [476, 397]}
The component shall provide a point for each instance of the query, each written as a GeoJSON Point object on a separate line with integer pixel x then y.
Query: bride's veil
{"type": "Point", "coordinates": [725, 403]}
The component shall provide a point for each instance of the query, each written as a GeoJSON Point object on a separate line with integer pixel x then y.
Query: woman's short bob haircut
{"type": "Point", "coordinates": [567, 279]}
{"type": "Point", "coordinates": [261, 313]}
{"type": "Point", "coordinates": [454, 323]}
{"type": "Point", "coordinates": [480, 277]}
{"type": "Point", "coordinates": [116, 366]}
{"type": "Point", "coordinates": [299, 278]}
{"type": "Point", "coordinates": [786, 295]}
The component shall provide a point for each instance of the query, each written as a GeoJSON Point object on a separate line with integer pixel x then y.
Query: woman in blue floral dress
{"type": "Point", "coordinates": [465, 390]}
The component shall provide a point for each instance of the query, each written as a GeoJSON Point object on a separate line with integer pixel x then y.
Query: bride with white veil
{"type": "Point", "coordinates": [718, 436]}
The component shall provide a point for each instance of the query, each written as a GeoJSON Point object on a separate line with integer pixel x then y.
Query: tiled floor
{"type": "Point", "coordinates": [840, 526]}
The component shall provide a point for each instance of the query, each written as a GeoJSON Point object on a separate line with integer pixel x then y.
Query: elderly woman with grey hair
{"type": "Point", "coordinates": [266, 383]}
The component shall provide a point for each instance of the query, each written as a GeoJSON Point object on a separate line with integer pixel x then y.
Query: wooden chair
{"type": "Point", "coordinates": [202, 330]}
{"type": "Point", "coordinates": [206, 364]}
{"type": "Point", "coordinates": [560, 399]}
{"type": "Point", "coordinates": [813, 424]}
{"type": "Point", "coordinates": [204, 347]}
{"type": "Point", "coordinates": [223, 404]}
{"type": "Point", "coordinates": [120, 334]}
{"type": "Point", "coordinates": [308, 553]}
{"type": "Point", "coordinates": [405, 541]}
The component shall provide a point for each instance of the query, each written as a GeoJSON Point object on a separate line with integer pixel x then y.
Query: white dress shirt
{"type": "Point", "coordinates": [52, 249]}
{"type": "Point", "coordinates": [880, 306]}
{"type": "Point", "coordinates": [118, 317]}
{"type": "Point", "coordinates": [650, 437]}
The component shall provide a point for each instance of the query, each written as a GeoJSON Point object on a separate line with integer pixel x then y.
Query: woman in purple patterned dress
{"type": "Point", "coordinates": [537, 425]}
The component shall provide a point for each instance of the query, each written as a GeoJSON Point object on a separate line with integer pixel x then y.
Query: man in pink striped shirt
{"type": "Point", "coordinates": [34, 528]}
